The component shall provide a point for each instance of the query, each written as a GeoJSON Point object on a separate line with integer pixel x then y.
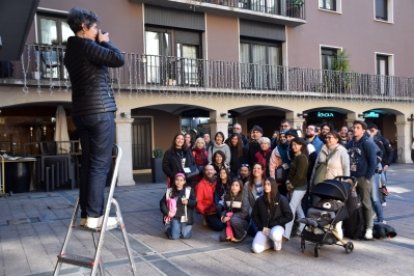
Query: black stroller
{"type": "Point", "coordinates": [329, 207]}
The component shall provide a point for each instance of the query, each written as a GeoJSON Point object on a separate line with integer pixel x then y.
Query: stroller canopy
{"type": "Point", "coordinates": [333, 189]}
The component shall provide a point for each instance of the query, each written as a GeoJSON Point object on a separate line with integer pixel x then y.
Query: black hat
{"type": "Point", "coordinates": [292, 132]}
{"type": "Point", "coordinates": [257, 128]}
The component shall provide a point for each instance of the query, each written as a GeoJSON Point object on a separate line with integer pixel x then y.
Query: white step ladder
{"type": "Point", "coordinates": [96, 261]}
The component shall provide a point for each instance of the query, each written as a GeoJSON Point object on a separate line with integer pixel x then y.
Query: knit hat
{"type": "Point", "coordinates": [292, 132]}
{"type": "Point", "coordinates": [257, 128]}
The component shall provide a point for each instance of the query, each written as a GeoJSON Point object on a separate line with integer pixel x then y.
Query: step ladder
{"type": "Point", "coordinates": [96, 261]}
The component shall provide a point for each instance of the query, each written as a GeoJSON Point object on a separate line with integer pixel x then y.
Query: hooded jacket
{"type": "Point", "coordinates": [87, 62]}
{"type": "Point", "coordinates": [363, 156]}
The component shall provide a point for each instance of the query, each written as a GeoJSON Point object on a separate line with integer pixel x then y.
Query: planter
{"type": "Point", "coordinates": [156, 170]}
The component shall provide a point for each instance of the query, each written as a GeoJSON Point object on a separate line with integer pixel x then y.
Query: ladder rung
{"type": "Point", "coordinates": [76, 260]}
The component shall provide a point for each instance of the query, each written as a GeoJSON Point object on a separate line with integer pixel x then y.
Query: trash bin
{"type": "Point", "coordinates": [17, 177]}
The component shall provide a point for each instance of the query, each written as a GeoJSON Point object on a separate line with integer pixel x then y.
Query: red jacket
{"type": "Point", "coordinates": [205, 197]}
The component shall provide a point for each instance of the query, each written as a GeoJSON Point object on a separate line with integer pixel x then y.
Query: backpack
{"type": "Point", "coordinates": [354, 225]}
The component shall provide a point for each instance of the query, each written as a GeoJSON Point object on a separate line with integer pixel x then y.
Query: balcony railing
{"type": "Point", "coordinates": [43, 67]}
{"type": "Point", "coordinates": [290, 8]}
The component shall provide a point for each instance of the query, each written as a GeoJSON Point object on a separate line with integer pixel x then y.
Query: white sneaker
{"type": "Point", "coordinates": [278, 245]}
{"type": "Point", "coordinates": [368, 234]}
{"type": "Point", "coordinates": [384, 204]}
{"type": "Point", "coordinates": [96, 223]}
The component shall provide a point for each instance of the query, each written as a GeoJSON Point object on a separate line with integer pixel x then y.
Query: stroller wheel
{"type": "Point", "coordinates": [316, 251]}
{"type": "Point", "coordinates": [302, 245]}
{"type": "Point", "coordinates": [349, 247]}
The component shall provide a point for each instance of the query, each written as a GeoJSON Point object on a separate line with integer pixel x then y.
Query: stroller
{"type": "Point", "coordinates": [329, 207]}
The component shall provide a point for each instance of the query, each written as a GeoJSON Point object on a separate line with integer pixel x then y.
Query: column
{"type": "Point", "coordinates": [219, 121]}
{"type": "Point", "coordinates": [403, 139]}
{"type": "Point", "coordinates": [296, 121]}
{"type": "Point", "coordinates": [124, 141]}
{"type": "Point", "coordinates": [351, 117]}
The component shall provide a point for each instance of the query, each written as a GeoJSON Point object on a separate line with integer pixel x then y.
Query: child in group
{"type": "Point", "coordinates": [233, 216]}
{"type": "Point", "coordinates": [177, 206]}
{"type": "Point", "coordinates": [270, 213]}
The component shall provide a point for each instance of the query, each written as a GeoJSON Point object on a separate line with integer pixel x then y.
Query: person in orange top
{"type": "Point", "coordinates": [206, 203]}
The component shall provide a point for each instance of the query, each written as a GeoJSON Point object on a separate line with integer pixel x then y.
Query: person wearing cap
{"type": "Point", "coordinates": [255, 134]}
{"type": "Point", "coordinates": [177, 206]}
{"type": "Point", "coordinates": [297, 182]}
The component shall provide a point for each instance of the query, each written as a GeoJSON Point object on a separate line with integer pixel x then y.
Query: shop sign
{"type": "Point", "coordinates": [325, 115]}
{"type": "Point", "coordinates": [371, 114]}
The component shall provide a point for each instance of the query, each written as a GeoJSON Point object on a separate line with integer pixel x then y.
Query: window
{"type": "Point", "coordinates": [328, 57]}
{"type": "Point", "coordinates": [53, 33]}
{"type": "Point", "coordinates": [260, 65]}
{"type": "Point", "coordinates": [173, 57]}
{"type": "Point", "coordinates": [384, 80]}
{"type": "Point", "coordinates": [381, 11]}
{"type": "Point", "coordinates": [384, 10]}
{"type": "Point", "coordinates": [53, 29]}
{"type": "Point", "coordinates": [327, 5]}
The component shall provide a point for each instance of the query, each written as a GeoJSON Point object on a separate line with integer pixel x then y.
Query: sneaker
{"type": "Point", "coordinates": [96, 223]}
{"type": "Point", "coordinates": [82, 222]}
{"type": "Point", "coordinates": [384, 204]}
{"type": "Point", "coordinates": [278, 245]}
{"type": "Point", "coordinates": [368, 234]}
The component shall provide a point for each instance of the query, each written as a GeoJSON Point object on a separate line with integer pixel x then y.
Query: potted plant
{"type": "Point", "coordinates": [156, 165]}
{"type": "Point", "coordinates": [341, 65]}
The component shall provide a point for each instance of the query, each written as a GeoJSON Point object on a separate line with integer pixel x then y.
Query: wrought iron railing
{"type": "Point", "coordinates": [290, 8]}
{"type": "Point", "coordinates": [42, 66]}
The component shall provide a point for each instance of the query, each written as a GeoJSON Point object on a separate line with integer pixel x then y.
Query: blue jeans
{"type": "Point", "coordinates": [376, 199]}
{"type": "Point", "coordinates": [97, 137]}
{"type": "Point", "coordinates": [179, 230]}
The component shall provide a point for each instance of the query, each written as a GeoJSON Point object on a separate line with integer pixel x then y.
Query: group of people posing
{"type": "Point", "coordinates": [256, 185]}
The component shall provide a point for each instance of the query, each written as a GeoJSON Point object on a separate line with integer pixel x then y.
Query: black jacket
{"type": "Point", "coordinates": [171, 163]}
{"type": "Point", "coordinates": [279, 214]}
{"type": "Point", "coordinates": [87, 63]}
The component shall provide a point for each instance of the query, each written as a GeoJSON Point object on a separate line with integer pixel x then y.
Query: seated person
{"type": "Point", "coordinates": [206, 203]}
{"type": "Point", "coordinates": [270, 213]}
{"type": "Point", "coordinates": [177, 206]}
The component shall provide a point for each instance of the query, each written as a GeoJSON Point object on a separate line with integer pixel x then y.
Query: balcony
{"type": "Point", "coordinates": [283, 12]}
{"type": "Point", "coordinates": [42, 67]}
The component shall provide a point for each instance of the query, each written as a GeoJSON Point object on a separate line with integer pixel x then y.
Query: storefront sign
{"type": "Point", "coordinates": [325, 115]}
{"type": "Point", "coordinates": [371, 114]}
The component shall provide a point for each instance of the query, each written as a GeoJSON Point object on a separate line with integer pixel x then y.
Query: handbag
{"type": "Point", "coordinates": [320, 173]}
{"type": "Point", "coordinates": [193, 172]}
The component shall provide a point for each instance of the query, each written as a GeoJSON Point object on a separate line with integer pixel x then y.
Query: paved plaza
{"type": "Point", "coordinates": [33, 226]}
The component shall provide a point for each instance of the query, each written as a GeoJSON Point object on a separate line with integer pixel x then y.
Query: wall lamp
{"type": "Point", "coordinates": [361, 116]}
{"type": "Point", "coordinates": [224, 114]}
{"type": "Point", "coordinates": [303, 115]}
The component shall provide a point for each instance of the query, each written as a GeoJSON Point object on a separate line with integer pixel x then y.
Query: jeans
{"type": "Point", "coordinates": [179, 230]}
{"type": "Point", "coordinates": [97, 137]}
{"type": "Point", "coordinates": [296, 208]}
{"type": "Point", "coordinates": [262, 242]}
{"type": "Point", "coordinates": [375, 196]}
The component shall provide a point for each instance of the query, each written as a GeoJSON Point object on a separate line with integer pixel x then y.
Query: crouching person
{"type": "Point", "coordinates": [206, 201]}
{"type": "Point", "coordinates": [234, 216]}
{"type": "Point", "coordinates": [177, 206]}
{"type": "Point", "coordinates": [270, 213]}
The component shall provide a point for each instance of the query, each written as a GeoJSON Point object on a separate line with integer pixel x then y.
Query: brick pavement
{"type": "Point", "coordinates": [33, 225]}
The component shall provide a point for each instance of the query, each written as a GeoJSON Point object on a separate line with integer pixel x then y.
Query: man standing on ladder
{"type": "Point", "coordinates": [88, 56]}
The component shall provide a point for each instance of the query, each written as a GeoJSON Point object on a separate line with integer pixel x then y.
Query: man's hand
{"type": "Point", "coordinates": [103, 37]}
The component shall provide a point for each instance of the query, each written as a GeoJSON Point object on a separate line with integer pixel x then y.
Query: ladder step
{"type": "Point", "coordinates": [76, 260]}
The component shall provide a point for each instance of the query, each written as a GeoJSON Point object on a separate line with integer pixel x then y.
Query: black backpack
{"type": "Point", "coordinates": [354, 225]}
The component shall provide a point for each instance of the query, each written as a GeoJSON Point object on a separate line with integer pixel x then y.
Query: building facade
{"type": "Point", "coordinates": [199, 66]}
